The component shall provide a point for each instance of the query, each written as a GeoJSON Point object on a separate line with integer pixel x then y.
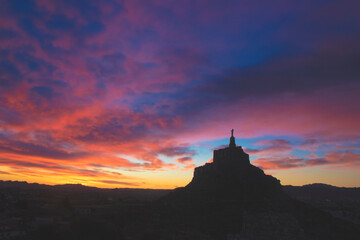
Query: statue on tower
{"type": "Point", "coordinates": [232, 139]}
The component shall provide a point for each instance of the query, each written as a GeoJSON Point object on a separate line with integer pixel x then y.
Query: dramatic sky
{"type": "Point", "coordinates": [137, 93]}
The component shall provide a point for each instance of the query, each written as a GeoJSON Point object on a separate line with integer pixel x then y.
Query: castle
{"type": "Point", "coordinates": [225, 159]}
{"type": "Point", "coordinates": [231, 196]}
{"type": "Point", "coordinates": [231, 173]}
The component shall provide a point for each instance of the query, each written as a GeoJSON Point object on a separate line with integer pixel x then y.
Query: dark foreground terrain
{"type": "Point", "coordinates": [34, 211]}
{"type": "Point", "coordinates": [340, 202]}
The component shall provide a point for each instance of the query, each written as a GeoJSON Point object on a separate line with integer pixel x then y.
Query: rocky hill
{"type": "Point", "coordinates": [231, 197]}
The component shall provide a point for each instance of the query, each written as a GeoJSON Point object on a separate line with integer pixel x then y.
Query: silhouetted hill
{"type": "Point", "coordinates": [320, 191]}
{"type": "Point", "coordinates": [82, 191]}
{"type": "Point", "coordinates": [232, 198]}
{"type": "Point", "coordinates": [315, 191]}
{"type": "Point", "coordinates": [342, 203]}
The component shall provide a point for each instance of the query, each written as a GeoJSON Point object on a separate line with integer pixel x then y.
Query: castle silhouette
{"type": "Point", "coordinates": [232, 174]}
{"type": "Point", "coordinates": [224, 160]}
{"type": "Point", "coordinates": [231, 197]}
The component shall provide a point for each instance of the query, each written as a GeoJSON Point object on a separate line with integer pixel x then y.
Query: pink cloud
{"type": "Point", "coordinates": [137, 84]}
{"type": "Point", "coordinates": [350, 160]}
{"type": "Point", "coordinates": [184, 160]}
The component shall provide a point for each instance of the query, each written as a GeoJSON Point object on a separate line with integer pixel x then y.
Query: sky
{"type": "Point", "coordinates": [136, 94]}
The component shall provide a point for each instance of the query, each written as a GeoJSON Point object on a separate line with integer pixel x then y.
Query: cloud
{"type": "Point", "coordinates": [33, 166]}
{"type": "Point", "coordinates": [173, 150]}
{"type": "Point", "coordinates": [300, 74]}
{"type": "Point", "coordinates": [272, 146]}
{"type": "Point", "coordinates": [291, 76]}
{"type": "Point", "coordinates": [156, 164]}
{"type": "Point", "coordinates": [31, 149]}
{"type": "Point", "coordinates": [108, 68]}
{"type": "Point", "coordinates": [10, 75]}
{"type": "Point", "coordinates": [24, 163]}
{"type": "Point", "coordinates": [7, 34]}
{"type": "Point", "coordinates": [190, 167]}
{"type": "Point", "coordinates": [5, 173]}
{"type": "Point", "coordinates": [119, 183]}
{"type": "Point", "coordinates": [277, 147]}
{"type": "Point", "coordinates": [43, 91]}
{"type": "Point", "coordinates": [187, 163]}
{"type": "Point", "coordinates": [184, 160]}
{"type": "Point", "coordinates": [344, 159]}
{"type": "Point", "coordinates": [115, 85]}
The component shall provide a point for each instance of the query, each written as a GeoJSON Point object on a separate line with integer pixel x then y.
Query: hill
{"type": "Point", "coordinates": [231, 197]}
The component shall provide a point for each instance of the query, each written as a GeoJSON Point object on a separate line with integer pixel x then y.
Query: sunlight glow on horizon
{"type": "Point", "coordinates": [125, 94]}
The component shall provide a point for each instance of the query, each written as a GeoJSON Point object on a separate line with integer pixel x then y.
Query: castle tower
{"type": "Point", "coordinates": [230, 156]}
{"type": "Point", "coordinates": [232, 139]}
{"type": "Point", "coordinates": [228, 162]}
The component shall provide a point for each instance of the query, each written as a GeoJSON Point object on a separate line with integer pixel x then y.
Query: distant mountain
{"type": "Point", "coordinates": [38, 185]}
{"type": "Point", "coordinates": [320, 191]}
{"type": "Point", "coordinates": [81, 191]}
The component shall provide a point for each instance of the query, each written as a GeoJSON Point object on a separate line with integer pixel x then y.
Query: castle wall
{"type": "Point", "coordinates": [224, 160]}
{"type": "Point", "coordinates": [203, 170]}
{"type": "Point", "coordinates": [230, 156]}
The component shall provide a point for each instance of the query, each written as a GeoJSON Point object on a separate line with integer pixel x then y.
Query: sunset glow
{"type": "Point", "coordinates": [136, 94]}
